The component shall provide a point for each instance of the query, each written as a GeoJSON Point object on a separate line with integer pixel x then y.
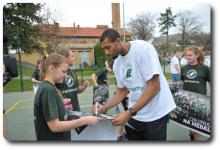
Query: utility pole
{"type": "Point", "coordinates": [124, 21]}
{"type": "Point", "coordinates": [164, 63]}
{"type": "Point", "coordinates": [20, 65]}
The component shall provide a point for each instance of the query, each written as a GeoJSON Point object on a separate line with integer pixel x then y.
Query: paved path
{"type": "Point", "coordinates": [19, 113]}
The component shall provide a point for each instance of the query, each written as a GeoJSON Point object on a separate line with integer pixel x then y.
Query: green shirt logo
{"type": "Point", "coordinates": [128, 74]}
{"type": "Point", "coordinates": [69, 81]}
{"type": "Point", "coordinates": [191, 74]}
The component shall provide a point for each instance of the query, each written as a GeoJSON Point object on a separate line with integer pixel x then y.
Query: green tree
{"type": "Point", "coordinates": [18, 18]}
{"type": "Point", "coordinates": [100, 56]}
{"type": "Point", "coordinates": [166, 21]}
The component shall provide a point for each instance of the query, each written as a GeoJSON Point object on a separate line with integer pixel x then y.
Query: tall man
{"type": "Point", "coordinates": [138, 71]}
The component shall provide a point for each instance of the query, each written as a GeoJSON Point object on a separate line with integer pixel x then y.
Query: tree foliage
{"type": "Point", "coordinates": [142, 26]}
{"type": "Point", "coordinates": [166, 21]}
{"type": "Point", "coordinates": [48, 35]}
{"type": "Point", "coordinates": [188, 25]}
{"type": "Point", "coordinates": [18, 20]}
{"type": "Point", "coordinates": [100, 56]}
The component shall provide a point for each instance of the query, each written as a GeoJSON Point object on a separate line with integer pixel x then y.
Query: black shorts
{"type": "Point", "coordinates": [155, 130]}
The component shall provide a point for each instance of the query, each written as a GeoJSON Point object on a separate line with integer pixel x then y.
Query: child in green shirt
{"type": "Point", "coordinates": [49, 111]}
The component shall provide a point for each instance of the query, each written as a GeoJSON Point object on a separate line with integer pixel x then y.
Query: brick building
{"type": "Point", "coordinates": [81, 40]}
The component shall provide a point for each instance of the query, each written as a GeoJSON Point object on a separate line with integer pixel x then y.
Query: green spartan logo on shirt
{"type": "Point", "coordinates": [128, 74]}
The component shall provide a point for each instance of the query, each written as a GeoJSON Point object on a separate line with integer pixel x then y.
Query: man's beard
{"type": "Point", "coordinates": [117, 52]}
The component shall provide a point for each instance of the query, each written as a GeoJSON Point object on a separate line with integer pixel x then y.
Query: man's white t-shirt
{"type": "Point", "coordinates": [183, 62]}
{"type": "Point", "coordinates": [133, 71]}
{"type": "Point", "coordinates": [173, 62]}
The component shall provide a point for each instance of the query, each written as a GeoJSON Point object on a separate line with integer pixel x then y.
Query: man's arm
{"type": "Point", "coordinates": [121, 93]}
{"type": "Point", "coordinates": [153, 87]}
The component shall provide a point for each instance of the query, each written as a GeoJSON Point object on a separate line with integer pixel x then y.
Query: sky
{"type": "Point", "coordinates": [90, 14]}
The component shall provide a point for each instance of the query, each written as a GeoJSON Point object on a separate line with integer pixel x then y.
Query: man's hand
{"type": "Point", "coordinates": [121, 118]}
{"type": "Point", "coordinates": [97, 107]}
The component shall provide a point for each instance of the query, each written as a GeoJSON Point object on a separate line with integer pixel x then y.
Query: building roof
{"type": "Point", "coordinates": [84, 31]}
{"type": "Point", "coordinates": [77, 31]}
{"type": "Point", "coordinates": [80, 32]}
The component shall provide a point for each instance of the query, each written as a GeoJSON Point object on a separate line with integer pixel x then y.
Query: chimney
{"type": "Point", "coordinates": [116, 24]}
{"type": "Point", "coordinates": [74, 24]}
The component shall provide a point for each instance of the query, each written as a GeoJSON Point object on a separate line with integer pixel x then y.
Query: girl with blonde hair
{"type": "Point", "coordinates": [49, 110]}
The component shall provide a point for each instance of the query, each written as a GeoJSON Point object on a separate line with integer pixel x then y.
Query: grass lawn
{"type": "Point", "coordinates": [27, 72]}
{"type": "Point", "coordinates": [14, 86]}
{"type": "Point", "coordinates": [84, 72]}
{"type": "Point", "coordinates": [168, 76]}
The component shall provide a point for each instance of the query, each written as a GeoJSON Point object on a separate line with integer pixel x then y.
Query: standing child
{"type": "Point", "coordinates": [49, 110]}
{"type": "Point", "coordinates": [70, 87]}
{"type": "Point", "coordinates": [35, 78]}
{"type": "Point", "coordinates": [194, 77]}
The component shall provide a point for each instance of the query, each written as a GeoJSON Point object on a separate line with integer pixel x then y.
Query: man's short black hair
{"type": "Point", "coordinates": [110, 34]}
